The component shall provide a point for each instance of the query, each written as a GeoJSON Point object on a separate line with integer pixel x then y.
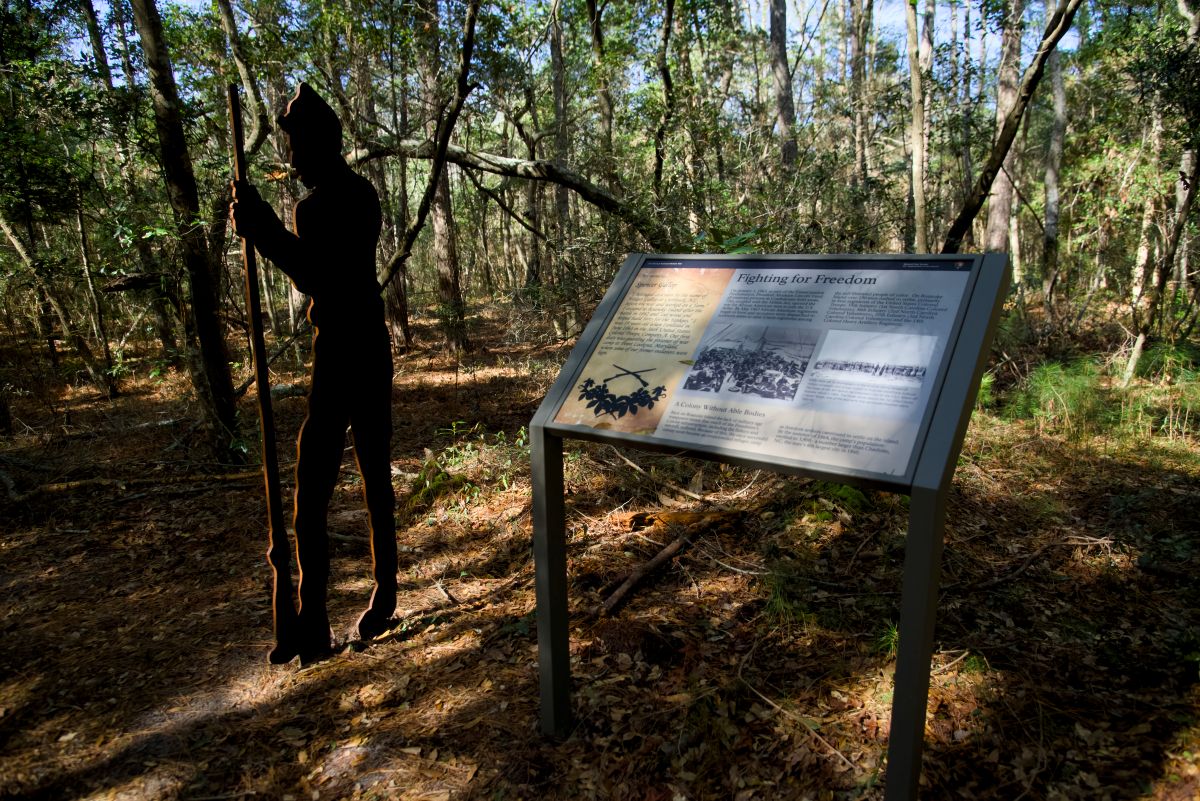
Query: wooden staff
{"type": "Point", "coordinates": [284, 610]}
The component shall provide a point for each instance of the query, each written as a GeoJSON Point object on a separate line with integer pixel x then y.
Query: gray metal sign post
{"type": "Point", "coordinates": [953, 372]}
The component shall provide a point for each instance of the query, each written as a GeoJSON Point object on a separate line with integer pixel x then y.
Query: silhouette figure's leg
{"type": "Point", "coordinates": [322, 438]}
{"type": "Point", "coordinates": [371, 427]}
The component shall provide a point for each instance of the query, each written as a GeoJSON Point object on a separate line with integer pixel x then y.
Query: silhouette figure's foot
{"type": "Point", "coordinates": [317, 654]}
{"type": "Point", "coordinates": [318, 649]}
{"type": "Point", "coordinates": [372, 623]}
{"type": "Point", "coordinates": [285, 651]}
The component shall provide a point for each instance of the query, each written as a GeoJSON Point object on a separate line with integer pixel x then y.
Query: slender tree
{"type": "Point", "coordinates": [785, 108]}
{"type": "Point", "coordinates": [210, 373]}
{"type": "Point", "coordinates": [1000, 201]}
{"type": "Point", "coordinates": [916, 130]}
{"type": "Point", "coordinates": [1054, 157]}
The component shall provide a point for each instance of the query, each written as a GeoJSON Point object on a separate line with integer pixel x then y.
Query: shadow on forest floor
{"type": "Point", "coordinates": [135, 621]}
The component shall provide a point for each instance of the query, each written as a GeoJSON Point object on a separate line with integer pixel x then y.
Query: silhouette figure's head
{"type": "Point", "coordinates": [314, 136]}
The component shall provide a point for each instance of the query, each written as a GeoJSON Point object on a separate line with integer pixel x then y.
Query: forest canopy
{"type": "Point", "coordinates": [521, 149]}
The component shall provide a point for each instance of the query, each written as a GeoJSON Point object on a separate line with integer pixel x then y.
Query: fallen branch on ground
{"type": "Point", "coordinates": [118, 483]}
{"type": "Point", "coordinates": [692, 523]}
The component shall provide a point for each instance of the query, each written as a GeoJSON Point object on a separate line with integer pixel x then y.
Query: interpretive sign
{"type": "Point", "coordinates": [826, 363]}
{"type": "Point", "coordinates": [860, 369]}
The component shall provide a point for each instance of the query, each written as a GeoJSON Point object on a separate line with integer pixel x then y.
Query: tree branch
{"type": "Point", "coordinates": [511, 212]}
{"type": "Point", "coordinates": [440, 146]}
{"type": "Point", "coordinates": [657, 235]}
{"type": "Point", "coordinates": [256, 107]}
{"type": "Point", "coordinates": [1056, 28]}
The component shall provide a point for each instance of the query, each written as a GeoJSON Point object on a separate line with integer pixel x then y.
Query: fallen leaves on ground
{"type": "Point", "coordinates": [756, 664]}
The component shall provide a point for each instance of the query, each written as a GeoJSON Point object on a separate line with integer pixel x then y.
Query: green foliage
{"type": "Point", "coordinates": [1166, 66]}
{"type": "Point", "coordinates": [986, 396]}
{"type": "Point", "coordinates": [39, 171]}
{"type": "Point", "coordinates": [1166, 363]}
{"type": "Point", "coordinates": [431, 483]}
{"type": "Point", "coordinates": [787, 596]}
{"type": "Point", "coordinates": [1068, 398]}
{"type": "Point", "coordinates": [848, 498]}
{"type": "Point", "coordinates": [887, 642]}
{"type": "Point", "coordinates": [737, 243]}
{"type": "Point", "coordinates": [1077, 399]}
{"type": "Point", "coordinates": [486, 456]}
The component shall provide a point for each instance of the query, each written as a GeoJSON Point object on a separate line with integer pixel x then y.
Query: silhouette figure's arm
{"type": "Point", "coordinates": [287, 251]}
{"type": "Point", "coordinates": [331, 253]}
{"type": "Point", "coordinates": [254, 219]}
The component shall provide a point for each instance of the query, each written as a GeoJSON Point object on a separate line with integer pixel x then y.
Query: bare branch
{"type": "Point", "coordinates": [657, 235]}
{"type": "Point", "coordinates": [1056, 28]}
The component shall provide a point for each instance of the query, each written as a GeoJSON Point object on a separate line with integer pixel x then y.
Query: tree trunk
{"type": "Point", "coordinates": [604, 100]}
{"type": "Point", "coordinates": [533, 281]}
{"type": "Point", "coordinates": [212, 379]}
{"type": "Point", "coordinates": [445, 250]}
{"type": "Point", "coordinates": [1000, 203]}
{"type": "Point", "coordinates": [1056, 28]}
{"type": "Point", "coordinates": [968, 104]}
{"type": "Point", "coordinates": [109, 381]}
{"type": "Point", "coordinates": [695, 105]}
{"type": "Point", "coordinates": [916, 131]}
{"type": "Point", "coordinates": [1054, 154]}
{"type": "Point", "coordinates": [785, 107]}
{"type": "Point", "coordinates": [961, 89]}
{"type": "Point", "coordinates": [260, 125]}
{"type": "Point", "coordinates": [396, 294]}
{"type": "Point", "coordinates": [668, 89]}
{"type": "Point", "coordinates": [925, 58]}
{"type": "Point", "coordinates": [570, 308]}
{"type": "Point", "coordinates": [860, 29]}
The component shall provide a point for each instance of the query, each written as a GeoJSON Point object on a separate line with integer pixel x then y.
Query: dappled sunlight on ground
{"type": "Point", "coordinates": [756, 664]}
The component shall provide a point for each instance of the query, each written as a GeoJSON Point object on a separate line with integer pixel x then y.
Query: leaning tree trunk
{"type": "Point", "coordinates": [211, 377]}
{"type": "Point", "coordinates": [1056, 28]}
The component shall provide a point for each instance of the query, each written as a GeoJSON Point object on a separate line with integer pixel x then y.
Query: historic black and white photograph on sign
{"type": "Point", "coordinates": [752, 361]}
{"type": "Point", "coordinates": [873, 357]}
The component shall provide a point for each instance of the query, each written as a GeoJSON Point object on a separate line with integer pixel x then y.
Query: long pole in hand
{"type": "Point", "coordinates": [284, 610]}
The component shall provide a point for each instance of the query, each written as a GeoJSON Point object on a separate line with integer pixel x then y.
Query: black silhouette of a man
{"type": "Point", "coordinates": [331, 258]}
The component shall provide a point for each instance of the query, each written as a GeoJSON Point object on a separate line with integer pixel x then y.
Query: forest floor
{"type": "Point", "coordinates": [135, 618]}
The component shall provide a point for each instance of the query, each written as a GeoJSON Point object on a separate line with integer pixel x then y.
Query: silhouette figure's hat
{"type": "Point", "coordinates": [309, 115]}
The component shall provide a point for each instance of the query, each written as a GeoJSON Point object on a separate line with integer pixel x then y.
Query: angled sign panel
{"type": "Point", "coordinates": [818, 364]}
